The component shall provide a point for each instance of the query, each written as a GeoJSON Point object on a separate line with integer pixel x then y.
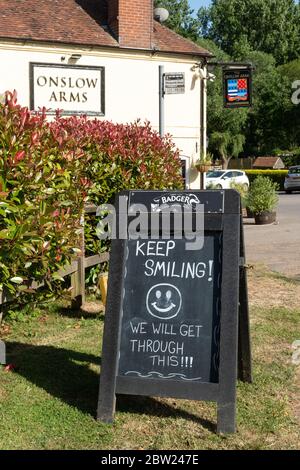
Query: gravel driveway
{"type": "Point", "coordinates": [277, 246]}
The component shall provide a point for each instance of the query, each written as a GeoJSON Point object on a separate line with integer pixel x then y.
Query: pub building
{"type": "Point", "coordinates": [109, 59]}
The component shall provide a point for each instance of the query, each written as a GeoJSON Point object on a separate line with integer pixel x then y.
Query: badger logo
{"type": "Point", "coordinates": [185, 199]}
{"type": "Point", "coordinates": [188, 199]}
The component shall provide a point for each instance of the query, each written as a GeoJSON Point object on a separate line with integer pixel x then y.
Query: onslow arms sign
{"type": "Point", "coordinates": [73, 89]}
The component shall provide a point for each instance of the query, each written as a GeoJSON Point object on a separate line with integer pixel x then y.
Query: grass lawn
{"type": "Point", "coordinates": [49, 400]}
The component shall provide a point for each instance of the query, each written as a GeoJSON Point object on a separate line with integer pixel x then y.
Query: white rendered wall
{"type": "Point", "coordinates": [131, 87]}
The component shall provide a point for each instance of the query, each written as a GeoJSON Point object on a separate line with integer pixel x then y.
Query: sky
{"type": "Point", "coordinates": [196, 4]}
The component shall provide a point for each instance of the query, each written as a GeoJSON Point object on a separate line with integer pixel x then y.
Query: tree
{"type": "Point", "coordinates": [290, 74]}
{"type": "Point", "coordinates": [271, 26]}
{"type": "Point", "coordinates": [267, 127]}
{"type": "Point", "coordinates": [227, 145]}
{"type": "Point", "coordinates": [266, 33]}
{"type": "Point", "coordinates": [181, 17]}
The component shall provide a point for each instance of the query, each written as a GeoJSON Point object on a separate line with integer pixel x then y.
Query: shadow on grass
{"type": "Point", "coordinates": [150, 406]}
{"type": "Point", "coordinates": [65, 374]}
{"type": "Point", "coordinates": [92, 309]}
{"type": "Point", "coordinates": [294, 279]}
{"type": "Point", "coordinates": [81, 313]}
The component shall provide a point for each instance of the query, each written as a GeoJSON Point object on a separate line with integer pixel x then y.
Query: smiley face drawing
{"type": "Point", "coordinates": [164, 301]}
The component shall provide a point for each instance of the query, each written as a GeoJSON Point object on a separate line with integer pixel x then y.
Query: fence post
{"type": "Point", "coordinates": [1, 306]}
{"type": "Point", "coordinates": [78, 278]}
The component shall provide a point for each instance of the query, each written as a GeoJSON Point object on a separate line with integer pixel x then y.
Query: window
{"type": "Point", "coordinates": [294, 171]}
{"type": "Point", "coordinates": [215, 174]}
{"type": "Point", "coordinates": [229, 174]}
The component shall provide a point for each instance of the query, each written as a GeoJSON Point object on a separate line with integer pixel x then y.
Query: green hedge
{"type": "Point", "coordinates": [278, 176]}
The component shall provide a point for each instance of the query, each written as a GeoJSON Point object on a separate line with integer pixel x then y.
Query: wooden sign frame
{"type": "Point", "coordinates": [228, 221]}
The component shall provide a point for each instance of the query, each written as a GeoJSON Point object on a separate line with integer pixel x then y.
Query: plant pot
{"type": "Point", "coordinates": [265, 218]}
{"type": "Point", "coordinates": [203, 168]}
{"type": "Point", "coordinates": [103, 279]}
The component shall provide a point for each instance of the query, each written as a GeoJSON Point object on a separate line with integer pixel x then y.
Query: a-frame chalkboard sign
{"type": "Point", "coordinates": [172, 315]}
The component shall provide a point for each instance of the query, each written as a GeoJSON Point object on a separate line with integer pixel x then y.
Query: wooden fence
{"type": "Point", "coordinates": [241, 163]}
{"type": "Point", "coordinates": [76, 270]}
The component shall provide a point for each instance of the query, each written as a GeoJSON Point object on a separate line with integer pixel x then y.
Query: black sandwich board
{"type": "Point", "coordinates": [171, 326]}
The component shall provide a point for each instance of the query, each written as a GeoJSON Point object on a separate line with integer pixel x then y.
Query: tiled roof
{"type": "Point", "coordinates": [67, 21]}
{"type": "Point", "coordinates": [168, 41]}
{"type": "Point", "coordinates": [80, 22]}
{"type": "Point", "coordinates": [268, 162]}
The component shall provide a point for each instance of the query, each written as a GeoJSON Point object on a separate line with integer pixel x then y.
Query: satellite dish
{"type": "Point", "coordinates": [161, 14]}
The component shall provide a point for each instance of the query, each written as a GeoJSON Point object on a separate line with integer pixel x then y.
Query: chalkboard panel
{"type": "Point", "coordinates": [171, 310]}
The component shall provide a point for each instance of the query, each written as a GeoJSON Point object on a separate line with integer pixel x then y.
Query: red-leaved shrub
{"type": "Point", "coordinates": [48, 170]}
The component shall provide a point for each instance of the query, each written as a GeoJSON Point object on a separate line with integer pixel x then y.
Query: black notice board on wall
{"type": "Point", "coordinates": [171, 326]}
{"type": "Point", "coordinates": [174, 83]}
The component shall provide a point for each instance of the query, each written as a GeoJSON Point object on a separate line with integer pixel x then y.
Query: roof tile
{"type": "Point", "coordinates": [80, 22]}
{"type": "Point", "coordinates": [267, 162]}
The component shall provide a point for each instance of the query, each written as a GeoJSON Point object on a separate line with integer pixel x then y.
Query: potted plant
{"type": "Point", "coordinates": [203, 164]}
{"type": "Point", "coordinates": [242, 189]}
{"type": "Point", "coordinates": [262, 200]}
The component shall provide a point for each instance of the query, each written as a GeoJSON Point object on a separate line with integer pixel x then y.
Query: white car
{"type": "Point", "coordinates": [222, 179]}
{"type": "Point", "coordinates": [292, 180]}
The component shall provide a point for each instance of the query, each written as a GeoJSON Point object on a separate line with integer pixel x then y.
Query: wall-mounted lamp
{"type": "Point", "coordinates": [202, 73]}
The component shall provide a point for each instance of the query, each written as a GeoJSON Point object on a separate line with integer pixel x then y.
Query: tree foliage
{"type": "Point", "coordinates": [266, 128]}
{"type": "Point", "coordinates": [266, 33]}
{"type": "Point", "coordinates": [271, 26]}
{"type": "Point", "coordinates": [290, 75]}
{"type": "Point", "coordinates": [181, 17]}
